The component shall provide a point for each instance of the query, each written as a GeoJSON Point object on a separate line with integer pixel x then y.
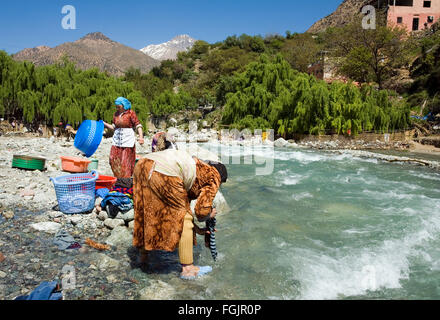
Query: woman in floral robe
{"type": "Point", "coordinates": [164, 183]}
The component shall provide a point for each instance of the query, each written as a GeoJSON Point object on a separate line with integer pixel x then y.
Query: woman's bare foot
{"type": "Point", "coordinates": [98, 208]}
{"type": "Point", "coordinates": [189, 270]}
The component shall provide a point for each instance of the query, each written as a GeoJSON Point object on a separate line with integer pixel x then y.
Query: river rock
{"type": "Point", "coordinates": [105, 262]}
{"type": "Point", "coordinates": [103, 215]}
{"type": "Point", "coordinates": [113, 223]}
{"type": "Point", "coordinates": [8, 214]}
{"type": "Point", "coordinates": [120, 237]}
{"type": "Point", "coordinates": [220, 203]}
{"type": "Point", "coordinates": [49, 227]}
{"type": "Point", "coordinates": [127, 216]}
{"type": "Point", "coordinates": [157, 290]}
{"type": "Point", "coordinates": [2, 274]}
{"type": "Point", "coordinates": [280, 143]}
{"type": "Point", "coordinates": [2, 257]}
{"type": "Point", "coordinates": [55, 214]}
{"type": "Point", "coordinates": [131, 225]}
{"type": "Point", "coordinates": [75, 220]}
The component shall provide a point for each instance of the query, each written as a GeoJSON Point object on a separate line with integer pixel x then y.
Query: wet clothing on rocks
{"type": "Point", "coordinates": [119, 198]}
{"type": "Point", "coordinates": [163, 186]}
{"type": "Point", "coordinates": [64, 241]}
{"type": "Point", "coordinates": [123, 151]}
{"type": "Point", "coordinates": [45, 291]}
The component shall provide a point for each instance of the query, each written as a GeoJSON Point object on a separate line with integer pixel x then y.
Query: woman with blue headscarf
{"type": "Point", "coordinates": [123, 151]}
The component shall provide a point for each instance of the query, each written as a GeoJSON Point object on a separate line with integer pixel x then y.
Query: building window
{"type": "Point", "coordinates": [404, 3]}
{"type": "Point", "coordinates": [426, 4]}
{"type": "Point", "coordinates": [430, 19]}
{"type": "Point", "coordinates": [415, 24]}
{"type": "Point", "coordinates": [399, 19]}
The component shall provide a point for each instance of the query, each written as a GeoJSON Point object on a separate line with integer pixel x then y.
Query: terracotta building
{"type": "Point", "coordinates": [414, 15]}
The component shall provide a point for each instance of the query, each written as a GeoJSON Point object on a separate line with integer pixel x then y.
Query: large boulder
{"type": "Point", "coordinates": [49, 227]}
{"type": "Point", "coordinates": [280, 143]}
{"type": "Point", "coordinates": [120, 237]}
{"type": "Point", "coordinates": [113, 223]}
{"type": "Point", "coordinates": [104, 262]}
{"type": "Point", "coordinates": [127, 216]}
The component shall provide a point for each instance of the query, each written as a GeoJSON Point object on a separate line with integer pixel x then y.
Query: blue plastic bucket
{"type": "Point", "coordinates": [76, 192]}
{"type": "Point", "coordinates": [89, 137]}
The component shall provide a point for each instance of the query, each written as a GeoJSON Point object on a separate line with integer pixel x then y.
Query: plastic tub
{"type": "Point", "coordinates": [105, 182]}
{"type": "Point", "coordinates": [76, 192]}
{"type": "Point", "coordinates": [89, 137]}
{"type": "Point", "coordinates": [28, 163]}
{"type": "Point", "coordinates": [74, 165]}
{"type": "Point", "coordinates": [93, 165]}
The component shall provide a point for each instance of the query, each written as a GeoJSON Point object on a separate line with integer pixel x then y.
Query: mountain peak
{"type": "Point", "coordinates": [182, 37]}
{"type": "Point", "coordinates": [169, 50]}
{"type": "Point", "coordinates": [96, 36]}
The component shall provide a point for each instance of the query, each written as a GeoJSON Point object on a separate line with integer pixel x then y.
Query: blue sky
{"type": "Point", "coordinates": [138, 23]}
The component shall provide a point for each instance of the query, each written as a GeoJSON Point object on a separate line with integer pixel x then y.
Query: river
{"type": "Point", "coordinates": [324, 226]}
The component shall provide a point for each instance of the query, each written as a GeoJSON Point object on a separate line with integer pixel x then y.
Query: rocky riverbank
{"type": "Point", "coordinates": [29, 223]}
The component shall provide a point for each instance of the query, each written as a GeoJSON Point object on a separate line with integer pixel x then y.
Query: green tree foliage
{"type": "Point", "coordinates": [301, 50]}
{"type": "Point", "coordinates": [424, 93]}
{"type": "Point", "coordinates": [366, 55]}
{"type": "Point", "coordinates": [169, 102]}
{"type": "Point", "coordinates": [274, 94]}
{"type": "Point", "coordinates": [62, 93]}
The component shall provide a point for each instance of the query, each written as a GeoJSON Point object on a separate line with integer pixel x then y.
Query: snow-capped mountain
{"type": "Point", "coordinates": [169, 50]}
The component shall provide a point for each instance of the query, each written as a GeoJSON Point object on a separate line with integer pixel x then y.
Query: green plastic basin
{"type": "Point", "coordinates": [28, 163]}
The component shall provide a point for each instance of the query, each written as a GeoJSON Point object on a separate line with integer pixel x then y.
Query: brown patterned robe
{"type": "Point", "coordinates": [161, 202]}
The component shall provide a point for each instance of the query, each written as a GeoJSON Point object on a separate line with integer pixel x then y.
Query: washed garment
{"type": "Point", "coordinates": [175, 163]}
{"type": "Point", "coordinates": [161, 203]}
{"type": "Point", "coordinates": [63, 240]}
{"type": "Point", "coordinates": [119, 200]}
{"type": "Point", "coordinates": [45, 291]}
{"type": "Point", "coordinates": [127, 191]}
{"type": "Point", "coordinates": [210, 238]}
{"type": "Point", "coordinates": [102, 193]}
{"type": "Point", "coordinates": [123, 159]}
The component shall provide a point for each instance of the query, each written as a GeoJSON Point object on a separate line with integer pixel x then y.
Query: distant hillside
{"type": "Point", "coordinates": [169, 50]}
{"type": "Point", "coordinates": [93, 50]}
{"type": "Point", "coordinates": [343, 15]}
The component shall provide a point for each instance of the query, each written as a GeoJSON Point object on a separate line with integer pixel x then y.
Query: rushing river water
{"type": "Point", "coordinates": [325, 226]}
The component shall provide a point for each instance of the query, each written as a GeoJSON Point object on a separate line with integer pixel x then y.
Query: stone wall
{"type": "Point", "coordinates": [404, 136]}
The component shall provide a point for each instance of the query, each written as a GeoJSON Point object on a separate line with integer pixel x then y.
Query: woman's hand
{"type": "Point", "coordinates": [108, 126]}
{"type": "Point", "coordinates": [213, 213]}
{"type": "Point", "coordinates": [141, 141]}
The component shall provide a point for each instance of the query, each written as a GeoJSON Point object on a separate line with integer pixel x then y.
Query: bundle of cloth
{"type": "Point", "coordinates": [118, 199]}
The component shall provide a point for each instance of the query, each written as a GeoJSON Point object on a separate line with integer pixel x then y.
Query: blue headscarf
{"type": "Point", "coordinates": [121, 101]}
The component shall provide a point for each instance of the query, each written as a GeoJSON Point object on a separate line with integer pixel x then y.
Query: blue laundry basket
{"type": "Point", "coordinates": [89, 136]}
{"type": "Point", "coordinates": [76, 192]}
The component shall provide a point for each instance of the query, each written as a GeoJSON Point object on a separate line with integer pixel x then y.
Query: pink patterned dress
{"type": "Point", "coordinates": [123, 151]}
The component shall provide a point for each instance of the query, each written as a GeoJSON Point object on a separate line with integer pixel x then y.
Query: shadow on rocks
{"type": "Point", "coordinates": [157, 262]}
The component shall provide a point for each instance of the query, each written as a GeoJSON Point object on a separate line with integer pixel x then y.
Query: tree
{"type": "Point", "coordinates": [301, 50]}
{"type": "Point", "coordinates": [290, 102]}
{"type": "Point", "coordinates": [369, 54]}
